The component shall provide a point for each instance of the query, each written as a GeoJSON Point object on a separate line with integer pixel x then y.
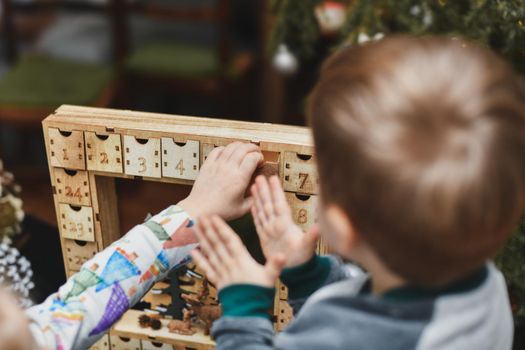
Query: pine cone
{"type": "Point", "coordinates": [144, 321]}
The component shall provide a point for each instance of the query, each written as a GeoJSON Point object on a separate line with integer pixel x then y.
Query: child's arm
{"type": "Point", "coordinates": [305, 272]}
{"type": "Point", "coordinates": [92, 300]}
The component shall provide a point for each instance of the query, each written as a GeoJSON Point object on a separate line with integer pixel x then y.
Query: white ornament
{"type": "Point", "coordinates": [284, 61]}
{"type": "Point", "coordinates": [363, 37]}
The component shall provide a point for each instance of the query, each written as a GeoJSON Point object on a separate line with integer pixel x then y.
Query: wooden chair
{"type": "Point", "coordinates": [37, 84]}
{"type": "Point", "coordinates": [180, 66]}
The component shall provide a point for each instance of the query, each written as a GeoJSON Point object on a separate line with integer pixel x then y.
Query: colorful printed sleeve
{"type": "Point", "coordinates": [86, 306]}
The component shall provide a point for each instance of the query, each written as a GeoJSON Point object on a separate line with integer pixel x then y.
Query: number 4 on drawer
{"type": "Point", "coordinates": [180, 160]}
{"type": "Point", "coordinates": [300, 173]}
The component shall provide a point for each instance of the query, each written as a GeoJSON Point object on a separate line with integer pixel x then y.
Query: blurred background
{"type": "Point", "coordinates": [252, 60]}
{"type": "Point", "coordinates": [190, 57]}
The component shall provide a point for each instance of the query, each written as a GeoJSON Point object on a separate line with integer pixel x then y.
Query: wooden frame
{"type": "Point", "coordinates": [88, 148]}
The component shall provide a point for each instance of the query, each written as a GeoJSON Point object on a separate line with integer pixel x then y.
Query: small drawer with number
{"type": "Point", "coordinates": [121, 343]}
{"type": "Point", "coordinates": [76, 222]}
{"type": "Point", "coordinates": [102, 344]}
{"type": "Point", "coordinates": [180, 160]}
{"type": "Point", "coordinates": [304, 209]}
{"type": "Point", "coordinates": [142, 156]}
{"type": "Point", "coordinates": [72, 186]}
{"type": "Point", "coordinates": [103, 152]}
{"type": "Point", "coordinates": [151, 345]}
{"type": "Point", "coordinates": [78, 252]}
{"type": "Point", "coordinates": [66, 149]}
{"type": "Point", "coordinates": [300, 173]}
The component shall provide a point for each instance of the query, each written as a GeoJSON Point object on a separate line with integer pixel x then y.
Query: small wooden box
{"type": "Point", "coordinates": [148, 345]}
{"type": "Point", "coordinates": [180, 160]}
{"type": "Point", "coordinates": [300, 173]}
{"type": "Point", "coordinates": [120, 343]}
{"type": "Point", "coordinates": [142, 156]}
{"type": "Point", "coordinates": [102, 344]}
{"type": "Point", "coordinates": [76, 222]}
{"type": "Point", "coordinates": [72, 186]}
{"type": "Point", "coordinates": [66, 149]}
{"type": "Point", "coordinates": [304, 209]}
{"type": "Point", "coordinates": [78, 252]}
{"type": "Point", "coordinates": [103, 152]}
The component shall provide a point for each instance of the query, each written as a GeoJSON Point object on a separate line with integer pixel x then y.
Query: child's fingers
{"type": "Point", "coordinates": [281, 205]}
{"type": "Point", "coordinates": [211, 236]}
{"type": "Point", "coordinates": [264, 191]}
{"type": "Point", "coordinates": [229, 149]}
{"type": "Point", "coordinates": [203, 240]}
{"type": "Point", "coordinates": [203, 263]}
{"type": "Point", "coordinates": [258, 226]}
{"type": "Point", "coordinates": [222, 248]}
{"type": "Point", "coordinates": [251, 161]}
{"type": "Point", "coordinates": [241, 151]}
{"type": "Point", "coordinates": [228, 237]}
{"type": "Point", "coordinates": [259, 206]}
{"type": "Point", "coordinates": [214, 155]}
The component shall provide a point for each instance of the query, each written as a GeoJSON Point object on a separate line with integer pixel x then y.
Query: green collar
{"type": "Point", "coordinates": [412, 293]}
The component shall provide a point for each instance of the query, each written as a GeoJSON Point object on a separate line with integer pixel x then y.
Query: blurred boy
{"type": "Point", "coordinates": [420, 146]}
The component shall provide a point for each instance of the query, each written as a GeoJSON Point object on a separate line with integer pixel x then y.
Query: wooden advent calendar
{"type": "Point", "coordinates": [88, 148]}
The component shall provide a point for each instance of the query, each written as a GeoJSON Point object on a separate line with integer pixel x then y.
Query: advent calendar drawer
{"type": "Point", "coordinates": [102, 344]}
{"type": "Point", "coordinates": [103, 152]}
{"type": "Point", "coordinates": [78, 252]}
{"type": "Point", "coordinates": [148, 345]}
{"type": "Point", "coordinates": [72, 186]}
{"type": "Point", "coordinates": [304, 209]}
{"type": "Point", "coordinates": [120, 343]}
{"type": "Point", "coordinates": [180, 160]}
{"type": "Point", "coordinates": [300, 173]}
{"type": "Point", "coordinates": [76, 222]}
{"type": "Point", "coordinates": [284, 314]}
{"type": "Point", "coordinates": [142, 156]}
{"type": "Point", "coordinates": [66, 149]}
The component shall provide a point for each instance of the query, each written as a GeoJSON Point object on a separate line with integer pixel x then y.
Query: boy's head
{"type": "Point", "coordinates": [421, 144]}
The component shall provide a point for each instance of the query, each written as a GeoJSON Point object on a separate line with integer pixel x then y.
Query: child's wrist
{"type": "Point", "coordinates": [304, 279]}
{"type": "Point", "coordinates": [246, 300]}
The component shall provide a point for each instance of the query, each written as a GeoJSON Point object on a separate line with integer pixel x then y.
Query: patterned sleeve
{"type": "Point", "coordinates": [87, 305]}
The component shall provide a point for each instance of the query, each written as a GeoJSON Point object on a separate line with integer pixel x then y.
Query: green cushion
{"type": "Point", "coordinates": [40, 81]}
{"type": "Point", "coordinates": [174, 60]}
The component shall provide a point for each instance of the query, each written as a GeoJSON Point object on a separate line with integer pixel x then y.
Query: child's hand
{"type": "Point", "coordinates": [222, 182]}
{"type": "Point", "coordinates": [225, 260]}
{"type": "Point", "coordinates": [277, 231]}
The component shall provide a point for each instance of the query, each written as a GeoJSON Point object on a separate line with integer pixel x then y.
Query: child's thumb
{"type": "Point", "coordinates": [275, 265]}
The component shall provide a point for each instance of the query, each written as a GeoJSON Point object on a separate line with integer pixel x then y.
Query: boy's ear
{"type": "Point", "coordinates": [345, 237]}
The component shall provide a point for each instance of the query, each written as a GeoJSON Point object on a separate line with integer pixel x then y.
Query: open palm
{"type": "Point", "coordinates": [277, 231]}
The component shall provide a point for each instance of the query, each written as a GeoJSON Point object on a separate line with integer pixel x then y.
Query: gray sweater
{"type": "Point", "coordinates": [339, 313]}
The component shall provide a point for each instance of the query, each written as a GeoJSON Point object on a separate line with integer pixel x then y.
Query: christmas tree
{"type": "Point", "coordinates": [311, 29]}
